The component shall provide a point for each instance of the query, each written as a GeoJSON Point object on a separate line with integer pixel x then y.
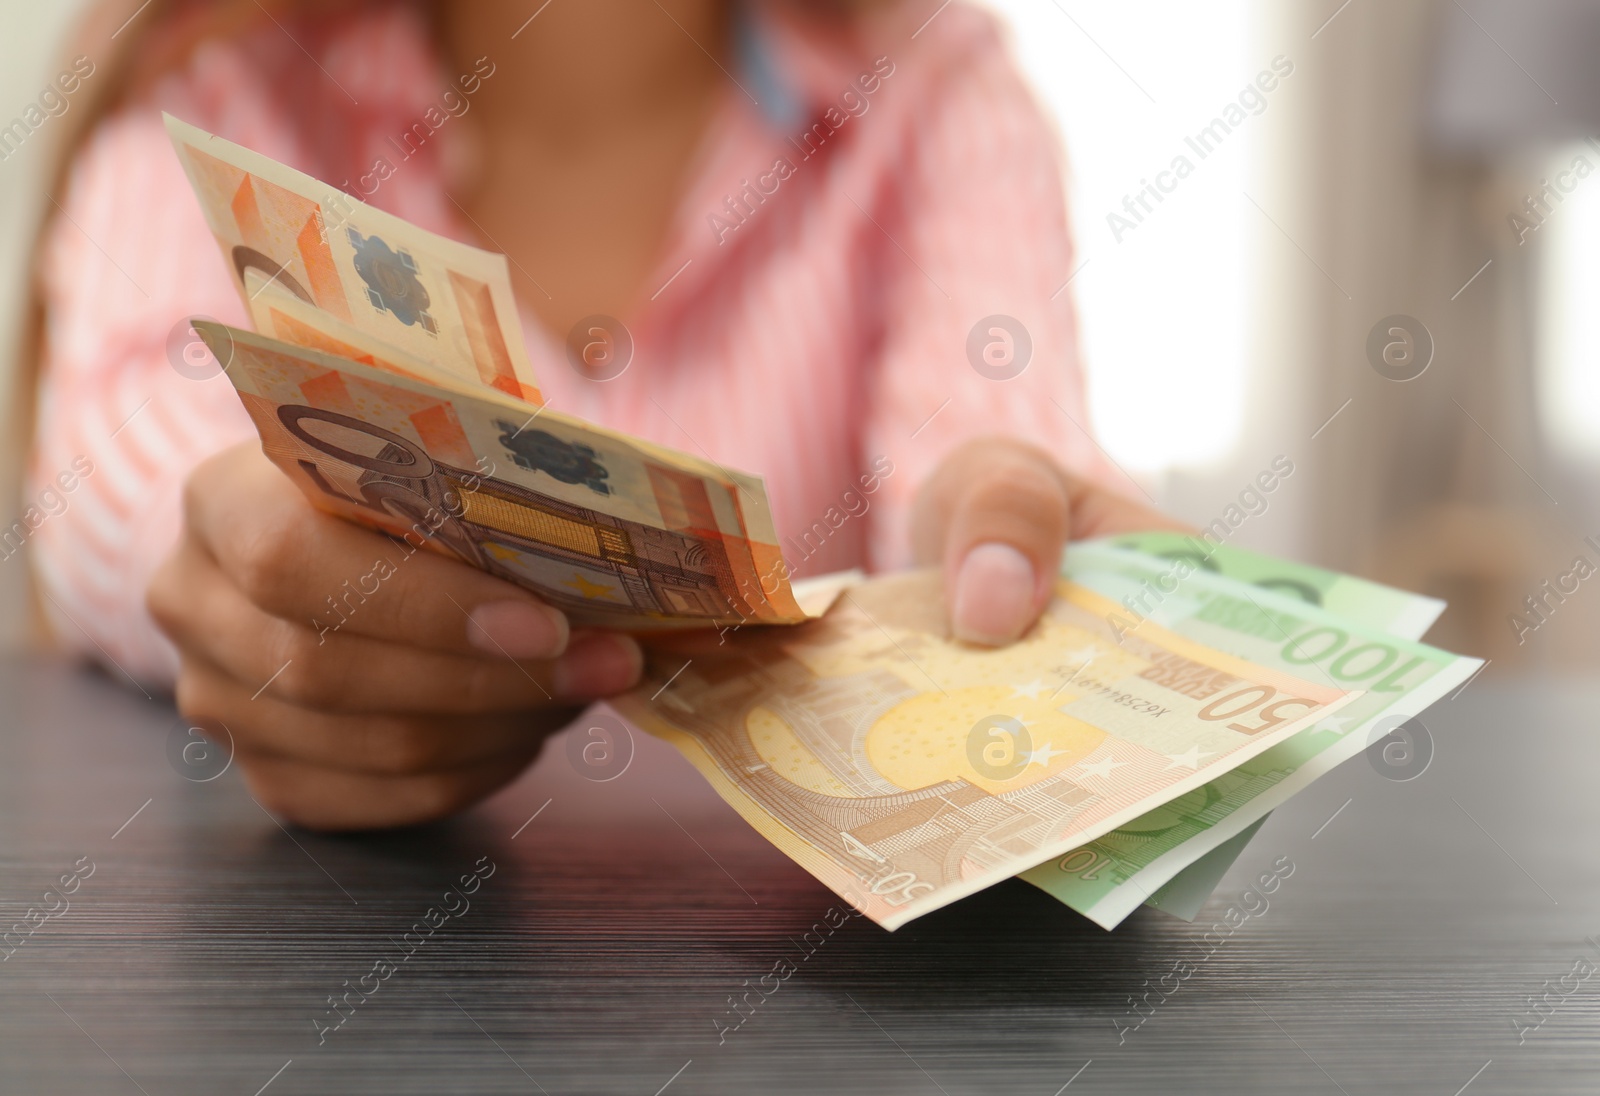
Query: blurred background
{"type": "Point", "coordinates": [1416, 179]}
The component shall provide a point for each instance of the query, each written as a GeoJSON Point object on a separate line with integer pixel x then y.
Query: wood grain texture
{"type": "Point", "coordinates": [601, 955]}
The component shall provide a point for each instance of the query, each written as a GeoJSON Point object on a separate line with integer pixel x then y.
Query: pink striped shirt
{"type": "Point", "coordinates": [818, 319]}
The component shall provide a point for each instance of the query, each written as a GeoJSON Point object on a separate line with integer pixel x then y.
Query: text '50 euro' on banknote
{"type": "Point", "coordinates": [862, 744]}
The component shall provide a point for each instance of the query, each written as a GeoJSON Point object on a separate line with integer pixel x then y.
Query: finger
{"type": "Point", "coordinates": [209, 618]}
{"type": "Point", "coordinates": [319, 571]}
{"type": "Point", "coordinates": [1008, 518]}
{"type": "Point", "coordinates": [328, 799]}
{"type": "Point", "coordinates": [385, 745]}
{"type": "Point", "coordinates": [997, 514]}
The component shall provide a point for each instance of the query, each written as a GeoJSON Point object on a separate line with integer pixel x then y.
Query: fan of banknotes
{"type": "Point", "coordinates": [1122, 753]}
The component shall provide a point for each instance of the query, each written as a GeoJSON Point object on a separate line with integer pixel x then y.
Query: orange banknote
{"type": "Point", "coordinates": [436, 299]}
{"type": "Point", "coordinates": [608, 529]}
{"type": "Point", "coordinates": [906, 770]}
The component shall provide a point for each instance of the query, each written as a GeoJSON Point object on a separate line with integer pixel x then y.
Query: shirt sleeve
{"type": "Point", "coordinates": [979, 335]}
{"type": "Point", "coordinates": [129, 400]}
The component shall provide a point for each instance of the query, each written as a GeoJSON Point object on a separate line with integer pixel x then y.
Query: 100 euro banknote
{"type": "Point", "coordinates": [610, 531]}
{"type": "Point", "coordinates": [1109, 878]}
{"type": "Point", "coordinates": [436, 299]}
{"type": "Point", "coordinates": [863, 744]}
{"type": "Point", "coordinates": [1402, 612]}
{"type": "Point", "coordinates": [1385, 608]}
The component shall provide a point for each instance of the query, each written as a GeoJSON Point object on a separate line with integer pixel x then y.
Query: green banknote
{"type": "Point", "coordinates": [1400, 612]}
{"type": "Point", "coordinates": [1110, 877]}
{"type": "Point", "coordinates": [1397, 611]}
{"type": "Point", "coordinates": [1185, 893]}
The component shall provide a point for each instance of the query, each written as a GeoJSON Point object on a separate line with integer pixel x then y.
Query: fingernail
{"type": "Point", "coordinates": [597, 664]}
{"type": "Point", "coordinates": [518, 629]}
{"type": "Point", "coordinates": [993, 597]}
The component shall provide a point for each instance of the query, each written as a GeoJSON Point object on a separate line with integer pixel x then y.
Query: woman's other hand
{"type": "Point", "coordinates": [364, 683]}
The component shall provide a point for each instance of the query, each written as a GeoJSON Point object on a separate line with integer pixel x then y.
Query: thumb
{"type": "Point", "coordinates": [1006, 516]}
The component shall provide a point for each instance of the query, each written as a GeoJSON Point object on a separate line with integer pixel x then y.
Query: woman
{"type": "Point", "coordinates": [834, 233]}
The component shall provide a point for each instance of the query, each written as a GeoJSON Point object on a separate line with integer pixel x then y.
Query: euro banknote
{"type": "Point", "coordinates": [282, 315]}
{"type": "Point", "coordinates": [1399, 612]}
{"type": "Point", "coordinates": [1185, 894]}
{"type": "Point", "coordinates": [604, 528]}
{"type": "Point", "coordinates": [434, 298]}
{"type": "Point", "coordinates": [906, 770]}
{"type": "Point", "coordinates": [1110, 877]}
{"type": "Point", "coordinates": [279, 314]}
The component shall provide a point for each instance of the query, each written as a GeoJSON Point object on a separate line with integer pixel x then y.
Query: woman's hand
{"type": "Point", "coordinates": [996, 514]}
{"type": "Point", "coordinates": [364, 683]}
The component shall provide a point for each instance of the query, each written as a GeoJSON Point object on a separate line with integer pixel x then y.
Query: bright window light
{"type": "Point", "coordinates": [1165, 301]}
{"type": "Point", "coordinates": [1568, 375]}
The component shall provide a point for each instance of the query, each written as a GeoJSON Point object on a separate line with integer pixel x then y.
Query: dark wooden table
{"type": "Point", "coordinates": [621, 916]}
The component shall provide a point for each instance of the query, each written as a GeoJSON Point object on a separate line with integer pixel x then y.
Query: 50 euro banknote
{"type": "Point", "coordinates": [279, 314]}
{"type": "Point", "coordinates": [430, 297]}
{"type": "Point", "coordinates": [1109, 878]}
{"type": "Point", "coordinates": [863, 744]}
{"type": "Point", "coordinates": [614, 532]}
